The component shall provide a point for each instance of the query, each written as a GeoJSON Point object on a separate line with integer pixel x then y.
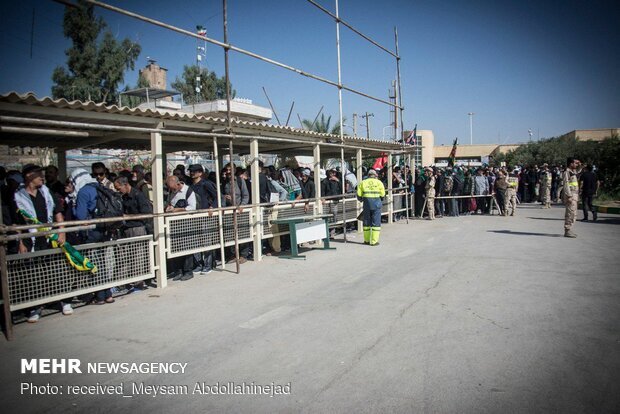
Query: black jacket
{"type": "Point", "coordinates": [207, 192]}
{"type": "Point", "coordinates": [135, 202]}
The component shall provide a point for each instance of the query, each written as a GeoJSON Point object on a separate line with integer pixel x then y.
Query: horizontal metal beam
{"type": "Point", "coordinates": [41, 131]}
{"type": "Point", "coordinates": [228, 46]}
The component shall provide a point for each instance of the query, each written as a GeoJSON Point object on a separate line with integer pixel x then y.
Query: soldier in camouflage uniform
{"type": "Point", "coordinates": [570, 195]}
{"type": "Point", "coordinates": [430, 193]}
{"type": "Point", "coordinates": [510, 201]}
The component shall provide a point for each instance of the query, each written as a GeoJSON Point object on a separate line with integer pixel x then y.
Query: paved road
{"type": "Point", "coordinates": [471, 315]}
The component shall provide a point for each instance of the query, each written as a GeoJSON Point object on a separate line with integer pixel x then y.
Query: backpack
{"type": "Point", "coordinates": [109, 204]}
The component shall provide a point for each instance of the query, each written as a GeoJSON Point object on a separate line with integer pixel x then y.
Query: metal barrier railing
{"type": "Point", "coordinates": [44, 276]}
{"type": "Point", "coordinates": [398, 200]}
{"type": "Point", "coordinates": [282, 211]}
{"type": "Point", "coordinates": [199, 232]}
{"type": "Point", "coordinates": [41, 277]}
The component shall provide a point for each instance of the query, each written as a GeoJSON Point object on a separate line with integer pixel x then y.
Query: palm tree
{"type": "Point", "coordinates": [322, 125]}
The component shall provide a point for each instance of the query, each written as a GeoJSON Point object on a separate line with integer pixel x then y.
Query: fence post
{"type": "Point", "coordinates": [256, 211]}
{"type": "Point", "coordinates": [159, 225]}
{"type": "Point", "coordinates": [360, 176]}
{"type": "Point", "coordinates": [8, 321]}
{"type": "Point", "coordinates": [390, 196]}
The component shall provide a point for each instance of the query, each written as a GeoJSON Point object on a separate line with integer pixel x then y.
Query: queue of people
{"type": "Point", "coordinates": [98, 193]}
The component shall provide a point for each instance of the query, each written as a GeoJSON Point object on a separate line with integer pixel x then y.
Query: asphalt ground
{"type": "Point", "coordinates": [473, 314]}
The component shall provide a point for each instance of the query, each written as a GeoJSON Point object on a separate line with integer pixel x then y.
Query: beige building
{"type": "Point", "coordinates": [429, 154]}
{"type": "Point", "coordinates": [426, 141]}
{"type": "Point", "coordinates": [592, 134]}
{"type": "Point", "coordinates": [472, 155]}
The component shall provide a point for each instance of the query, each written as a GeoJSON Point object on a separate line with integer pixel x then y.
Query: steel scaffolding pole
{"type": "Point", "coordinates": [224, 45]}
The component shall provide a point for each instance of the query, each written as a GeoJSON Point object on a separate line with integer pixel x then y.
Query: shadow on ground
{"type": "Point", "coordinates": [524, 233]}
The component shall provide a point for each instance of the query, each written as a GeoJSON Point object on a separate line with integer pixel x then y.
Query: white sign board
{"type": "Point", "coordinates": [310, 231]}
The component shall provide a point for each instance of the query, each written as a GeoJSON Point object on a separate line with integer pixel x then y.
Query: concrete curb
{"type": "Point", "coordinates": [607, 210]}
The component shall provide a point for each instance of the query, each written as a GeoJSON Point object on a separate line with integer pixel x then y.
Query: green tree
{"type": "Point", "coordinates": [211, 87]}
{"type": "Point", "coordinates": [95, 68]}
{"type": "Point", "coordinates": [605, 155]}
{"type": "Point", "coordinates": [323, 125]}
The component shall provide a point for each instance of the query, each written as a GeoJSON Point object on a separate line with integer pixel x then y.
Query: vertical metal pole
{"type": "Point", "coordinates": [400, 104]}
{"type": "Point", "coordinates": [233, 187]}
{"type": "Point", "coordinates": [354, 125]}
{"type": "Point", "coordinates": [316, 152]}
{"type": "Point", "coordinates": [390, 170]}
{"type": "Point", "coordinates": [342, 167]}
{"type": "Point", "coordinates": [318, 206]}
{"type": "Point", "coordinates": [344, 215]}
{"type": "Point", "coordinates": [471, 129]}
{"type": "Point", "coordinates": [256, 211]}
{"type": "Point", "coordinates": [410, 198]}
{"type": "Point", "coordinates": [218, 184]}
{"type": "Point", "coordinates": [4, 281]}
{"type": "Point", "coordinates": [367, 126]}
{"type": "Point", "coordinates": [159, 223]}
{"type": "Point", "coordinates": [233, 182]}
{"type": "Point", "coordinates": [396, 112]}
{"type": "Point", "coordinates": [6, 304]}
{"type": "Point", "coordinates": [359, 161]}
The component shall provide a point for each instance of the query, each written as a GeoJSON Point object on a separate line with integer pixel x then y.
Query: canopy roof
{"type": "Point", "coordinates": [26, 120]}
{"type": "Point", "coordinates": [150, 93]}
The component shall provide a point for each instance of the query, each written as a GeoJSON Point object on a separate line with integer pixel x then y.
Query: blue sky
{"type": "Point", "coordinates": [546, 65]}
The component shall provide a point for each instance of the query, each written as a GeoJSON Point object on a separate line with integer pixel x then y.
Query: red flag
{"type": "Point", "coordinates": [380, 162]}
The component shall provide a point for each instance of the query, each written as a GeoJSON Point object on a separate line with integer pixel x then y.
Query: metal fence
{"type": "Point", "coordinates": [193, 233]}
{"type": "Point", "coordinates": [42, 277]}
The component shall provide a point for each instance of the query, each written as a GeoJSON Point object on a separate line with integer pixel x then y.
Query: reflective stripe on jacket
{"type": "Point", "coordinates": [371, 188]}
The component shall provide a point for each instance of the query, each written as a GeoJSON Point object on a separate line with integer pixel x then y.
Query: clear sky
{"type": "Point", "coordinates": [549, 66]}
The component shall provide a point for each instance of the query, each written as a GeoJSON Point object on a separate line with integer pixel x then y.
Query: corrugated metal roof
{"type": "Point", "coordinates": [31, 99]}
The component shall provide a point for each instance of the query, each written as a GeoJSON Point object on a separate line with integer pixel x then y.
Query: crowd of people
{"type": "Point", "coordinates": [443, 192]}
{"type": "Point", "coordinates": [99, 193]}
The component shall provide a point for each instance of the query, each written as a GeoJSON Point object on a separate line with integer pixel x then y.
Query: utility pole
{"type": "Point", "coordinates": [367, 116]}
{"type": "Point", "coordinates": [471, 128]}
{"type": "Point", "coordinates": [354, 125]}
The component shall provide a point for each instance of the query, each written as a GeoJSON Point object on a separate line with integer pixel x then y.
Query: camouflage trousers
{"type": "Point", "coordinates": [545, 194]}
{"type": "Point", "coordinates": [571, 212]}
{"type": "Point", "coordinates": [510, 202]}
{"type": "Point", "coordinates": [430, 205]}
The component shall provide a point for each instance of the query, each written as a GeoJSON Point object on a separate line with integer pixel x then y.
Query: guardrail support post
{"type": "Point", "coordinates": [316, 152]}
{"type": "Point", "coordinates": [159, 234]}
{"type": "Point", "coordinates": [256, 211]}
{"type": "Point", "coordinates": [360, 176]}
{"type": "Point", "coordinates": [390, 196]}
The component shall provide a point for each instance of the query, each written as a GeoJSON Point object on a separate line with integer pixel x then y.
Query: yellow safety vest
{"type": "Point", "coordinates": [513, 182]}
{"type": "Point", "coordinates": [371, 188]}
{"type": "Point", "coordinates": [573, 181]}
